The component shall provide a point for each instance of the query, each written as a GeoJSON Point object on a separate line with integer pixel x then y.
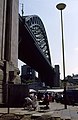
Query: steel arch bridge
{"type": "Point", "coordinates": [37, 27]}
{"type": "Point", "coordinates": [34, 47]}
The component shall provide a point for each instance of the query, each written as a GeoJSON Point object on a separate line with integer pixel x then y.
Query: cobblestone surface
{"type": "Point", "coordinates": [56, 110]}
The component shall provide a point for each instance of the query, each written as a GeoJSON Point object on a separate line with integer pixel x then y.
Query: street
{"type": "Point", "coordinates": [56, 110]}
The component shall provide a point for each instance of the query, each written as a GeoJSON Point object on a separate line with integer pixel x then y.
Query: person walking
{"type": "Point", "coordinates": [34, 101]}
{"type": "Point", "coordinates": [28, 103]}
{"type": "Point", "coordinates": [46, 100]}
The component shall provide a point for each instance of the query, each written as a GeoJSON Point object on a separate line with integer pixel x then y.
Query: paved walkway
{"type": "Point", "coordinates": [56, 110]}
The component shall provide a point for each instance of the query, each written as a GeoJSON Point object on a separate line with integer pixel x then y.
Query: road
{"type": "Point", "coordinates": [56, 110]}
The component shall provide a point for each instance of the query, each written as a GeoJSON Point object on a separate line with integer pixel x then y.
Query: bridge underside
{"type": "Point", "coordinates": [30, 54]}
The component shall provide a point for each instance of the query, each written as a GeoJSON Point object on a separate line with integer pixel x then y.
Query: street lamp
{"type": "Point", "coordinates": [61, 6]}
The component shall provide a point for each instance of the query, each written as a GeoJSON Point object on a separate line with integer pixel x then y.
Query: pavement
{"type": "Point", "coordinates": [55, 110]}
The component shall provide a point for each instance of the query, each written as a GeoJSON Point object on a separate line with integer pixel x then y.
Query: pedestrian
{"type": "Point", "coordinates": [34, 101]}
{"type": "Point", "coordinates": [46, 100]}
{"type": "Point", "coordinates": [28, 103]}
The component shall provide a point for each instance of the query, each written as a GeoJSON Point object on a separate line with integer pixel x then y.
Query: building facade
{"type": "Point", "coordinates": [27, 73]}
{"type": "Point", "coordinates": [28, 77]}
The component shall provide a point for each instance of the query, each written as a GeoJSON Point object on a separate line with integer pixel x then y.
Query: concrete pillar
{"type": "Point", "coordinates": [11, 41]}
{"type": "Point", "coordinates": [2, 42]}
{"type": "Point", "coordinates": [9, 22]}
{"type": "Point", "coordinates": [11, 36]}
{"type": "Point", "coordinates": [2, 27]}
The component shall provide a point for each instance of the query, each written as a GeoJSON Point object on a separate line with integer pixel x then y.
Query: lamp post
{"type": "Point", "coordinates": [61, 6]}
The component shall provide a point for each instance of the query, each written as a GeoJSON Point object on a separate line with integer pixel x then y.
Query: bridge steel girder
{"type": "Point", "coordinates": [31, 54]}
{"type": "Point", "coordinates": [37, 28]}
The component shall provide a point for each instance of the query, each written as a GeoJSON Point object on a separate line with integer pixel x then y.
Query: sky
{"type": "Point", "coordinates": [50, 16]}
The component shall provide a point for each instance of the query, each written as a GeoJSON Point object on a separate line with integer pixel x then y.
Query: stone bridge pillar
{"type": "Point", "coordinates": [8, 42]}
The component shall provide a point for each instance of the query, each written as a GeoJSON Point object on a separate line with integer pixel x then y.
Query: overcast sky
{"type": "Point", "coordinates": [46, 10]}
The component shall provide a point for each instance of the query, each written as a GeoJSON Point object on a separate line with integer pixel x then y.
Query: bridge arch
{"type": "Point", "coordinates": [37, 27]}
{"type": "Point", "coordinates": [34, 47]}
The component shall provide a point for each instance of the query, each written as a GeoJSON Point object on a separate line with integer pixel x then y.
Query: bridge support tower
{"type": "Point", "coordinates": [8, 45]}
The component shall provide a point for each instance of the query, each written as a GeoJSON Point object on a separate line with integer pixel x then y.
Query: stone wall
{"type": "Point", "coordinates": [8, 41]}
{"type": "Point", "coordinates": [2, 41]}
